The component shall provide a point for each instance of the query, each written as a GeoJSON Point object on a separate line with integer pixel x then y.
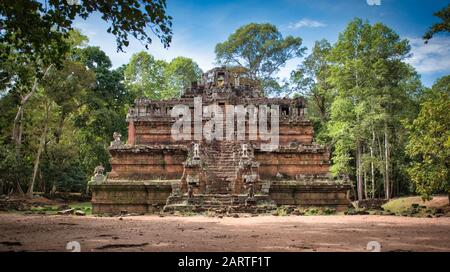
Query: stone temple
{"type": "Point", "coordinates": [153, 171]}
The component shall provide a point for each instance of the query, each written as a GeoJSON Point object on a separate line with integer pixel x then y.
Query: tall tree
{"type": "Point", "coordinates": [261, 48]}
{"type": "Point", "coordinates": [180, 73]}
{"type": "Point", "coordinates": [310, 80]}
{"type": "Point", "coordinates": [66, 87]}
{"type": "Point", "coordinates": [62, 92]}
{"type": "Point", "coordinates": [34, 34]}
{"type": "Point", "coordinates": [145, 76]}
{"type": "Point", "coordinates": [103, 109]}
{"type": "Point", "coordinates": [429, 136]}
{"type": "Point", "coordinates": [372, 84]}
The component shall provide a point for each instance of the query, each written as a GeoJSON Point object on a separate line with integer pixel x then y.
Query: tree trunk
{"type": "Point", "coordinates": [60, 127]}
{"type": "Point", "coordinates": [38, 155]}
{"type": "Point", "coordinates": [358, 171]}
{"type": "Point", "coordinates": [386, 159]}
{"type": "Point", "coordinates": [366, 196]}
{"type": "Point", "coordinates": [372, 168]}
{"type": "Point", "coordinates": [17, 124]}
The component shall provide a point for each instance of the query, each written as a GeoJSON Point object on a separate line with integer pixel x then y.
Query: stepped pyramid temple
{"type": "Point", "coordinates": [222, 146]}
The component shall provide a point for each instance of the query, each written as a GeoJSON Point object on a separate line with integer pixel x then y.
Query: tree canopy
{"type": "Point", "coordinates": [429, 142]}
{"type": "Point", "coordinates": [359, 90]}
{"type": "Point", "coordinates": [148, 77]}
{"type": "Point", "coordinates": [37, 29]}
{"type": "Point", "coordinates": [443, 26]}
{"type": "Point", "coordinates": [261, 48]}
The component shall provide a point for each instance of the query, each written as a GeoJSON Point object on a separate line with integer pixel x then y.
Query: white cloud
{"type": "Point", "coordinates": [183, 44]}
{"type": "Point", "coordinates": [84, 28]}
{"type": "Point", "coordinates": [431, 57]}
{"type": "Point", "coordinates": [306, 23]}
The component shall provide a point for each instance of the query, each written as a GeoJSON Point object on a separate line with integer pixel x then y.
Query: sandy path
{"type": "Point", "coordinates": [199, 233]}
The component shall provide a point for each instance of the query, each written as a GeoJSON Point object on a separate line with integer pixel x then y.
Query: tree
{"type": "Point", "coordinates": [26, 84]}
{"type": "Point", "coordinates": [374, 89]}
{"type": "Point", "coordinates": [38, 30]}
{"type": "Point", "coordinates": [67, 122]}
{"type": "Point", "coordinates": [102, 112]}
{"type": "Point", "coordinates": [261, 48]}
{"type": "Point", "coordinates": [180, 73]}
{"type": "Point", "coordinates": [310, 80]}
{"type": "Point", "coordinates": [429, 142]}
{"type": "Point", "coordinates": [443, 26]}
{"type": "Point", "coordinates": [66, 87]}
{"type": "Point", "coordinates": [62, 90]}
{"type": "Point", "coordinates": [145, 76]}
{"type": "Point", "coordinates": [36, 36]}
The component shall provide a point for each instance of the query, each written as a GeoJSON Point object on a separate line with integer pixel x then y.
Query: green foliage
{"type": "Point", "coordinates": [180, 73]}
{"type": "Point", "coordinates": [429, 142]}
{"type": "Point", "coordinates": [144, 76]}
{"type": "Point", "coordinates": [37, 30]}
{"type": "Point", "coordinates": [102, 110]}
{"type": "Point", "coordinates": [443, 26]}
{"type": "Point", "coordinates": [310, 80]}
{"type": "Point", "coordinates": [13, 169]}
{"type": "Point", "coordinates": [76, 108]}
{"type": "Point", "coordinates": [148, 77]}
{"type": "Point", "coordinates": [261, 48]}
{"type": "Point", "coordinates": [82, 103]}
{"type": "Point", "coordinates": [61, 167]}
{"type": "Point", "coordinates": [359, 91]}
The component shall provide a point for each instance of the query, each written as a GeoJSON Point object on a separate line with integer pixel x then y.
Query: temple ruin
{"type": "Point", "coordinates": [153, 172]}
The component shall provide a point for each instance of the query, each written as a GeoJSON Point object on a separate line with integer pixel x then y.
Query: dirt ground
{"type": "Point", "coordinates": [201, 233]}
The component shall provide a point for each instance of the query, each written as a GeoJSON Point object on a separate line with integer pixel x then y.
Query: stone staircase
{"type": "Point", "coordinates": [221, 159]}
{"type": "Point", "coordinates": [219, 203]}
{"type": "Point", "coordinates": [222, 162]}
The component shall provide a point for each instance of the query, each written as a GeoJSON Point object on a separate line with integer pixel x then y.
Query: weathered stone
{"type": "Point", "coordinates": [66, 212]}
{"type": "Point", "coordinates": [153, 170]}
{"type": "Point", "coordinates": [80, 213]}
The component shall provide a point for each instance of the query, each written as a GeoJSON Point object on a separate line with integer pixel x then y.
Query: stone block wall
{"type": "Point", "coordinates": [130, 197]}
{"type": "Point", "coordinates": [310, 194]}
{"type": "Point", "coordinates": [147, 165]}
{"type": "Point", "coordinates": [291, 165]}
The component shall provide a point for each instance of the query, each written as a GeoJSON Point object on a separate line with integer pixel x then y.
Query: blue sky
{"type": "Point", "coordinates": [199, 25]}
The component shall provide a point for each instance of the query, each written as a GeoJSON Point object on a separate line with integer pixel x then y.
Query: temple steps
{"type": "Point", "coordinates": [219, 203]}
{"type": "Point", "coordinates": [221, 166]}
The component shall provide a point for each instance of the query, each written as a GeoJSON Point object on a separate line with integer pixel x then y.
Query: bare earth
{"type": "Point", "coordinates": [201, 233]}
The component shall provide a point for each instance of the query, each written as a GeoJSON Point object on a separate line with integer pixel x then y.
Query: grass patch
{"type": "Point", "coordinates": [415, 206]}
{"type": "Point", "coordinates": [83, 206]}
{"type": "Point", "coordinates": [53, 209]}
{"type": "Point", "coordinates": [400, 205]}
{"type": "Point", "coordinates": [48, 209]}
